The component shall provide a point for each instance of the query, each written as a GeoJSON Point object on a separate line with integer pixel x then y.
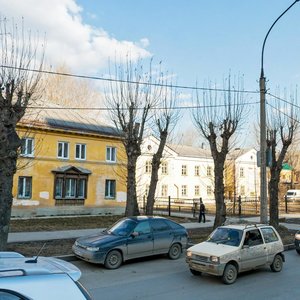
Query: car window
{"type": "Point", "coordinates": [174, 225]}
{"type": "Point", "coordinates": [123, 227]}
{"type": "Point", "coordinates": [159, 225]}
{"type": "Point", "coordinates": [143, 228]}
{"type": "Point", "coordinates": [226, 236]}
{"type": "Point", "coordinates": [253, 238]}
{"type": "Point", "coordinates": [269, 235]}
{"type": "Point", "coordinates": [10, 295]}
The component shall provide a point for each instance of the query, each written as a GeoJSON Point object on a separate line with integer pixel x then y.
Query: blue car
{"type": "Point", "coordinates": [132, 238]}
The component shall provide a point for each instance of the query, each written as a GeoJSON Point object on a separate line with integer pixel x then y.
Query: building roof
{"type": "Point", "coordinates": [190, 151]}
{"type": "Point", "coordinates": [52, 116]}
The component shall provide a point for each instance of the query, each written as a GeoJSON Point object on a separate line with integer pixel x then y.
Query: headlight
{"type": "Point", "coordinates": [215, 259]}
{"type": "Point", "coordinates": [189, 254]}
{"type": "Point", "coordinates": [297, 236]}
{"type": "Point", "coordinates": [92, 248]}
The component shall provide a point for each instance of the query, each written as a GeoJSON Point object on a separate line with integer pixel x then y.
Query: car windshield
{"type": "Point", "coordinates": [226, 236]}
{"type": "Point", "coordinates": [122, 228]}
{"type": "Point", "coordinates": [290, 193]}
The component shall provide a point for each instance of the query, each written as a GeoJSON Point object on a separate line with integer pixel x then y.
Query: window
{"type": "Point", "coordinates": [183, 190]}
{"type": "Point", "coordinates": [184, 170]}
{"type": "Point", "coordinates": [80, 151]}
{"type": "Point", "coordinates": [111, 154]}
{"type": "Point", "coordinates": [242, 190]}
{"type": "Point", "coordinates": [63, 150]}
{"type": "Point", "coordinates": [209, 190]}
{"type": "Point", "coordinates": [242, 172]}
{"type": "Point", "coordinates": [209, 171]}
{"type": "Point", "coordinates": [197, 170]}
{"type": "Point", "coordinates": [159, 225]}
{"type": "Point", "coordinates": [269, 235]}
{"type": "Point", "coordinates": [110, 189]}
{"type": "Point", "coordinates": [253, 238]}
{"type": "Point", "coordinates": [27, 145]}
{"type": "Point", "coordinates": [24, 187]}
{"type": "Point", "coordinates": [197, 190]}
{"type": "Point", "coordinates": [164, 168]}
{"type": "Point", "coordinates": [143, 228]}
{"type": "Point", "coordinates": [148, 166]}
{"type": "Point", "coordinates": [164, 190]}
{"type": "Point", "coordinates": [70, 186]}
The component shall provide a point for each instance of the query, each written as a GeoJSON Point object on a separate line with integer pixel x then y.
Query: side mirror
{"type": "Point", "coordinates": [134, 234]}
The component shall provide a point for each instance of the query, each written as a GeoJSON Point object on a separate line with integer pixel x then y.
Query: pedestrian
{"type": "Point", "coordinates": [202, 212]}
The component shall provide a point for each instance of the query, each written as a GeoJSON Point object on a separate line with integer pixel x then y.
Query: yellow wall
{"type": "Point", "coordinates": [45, 160]}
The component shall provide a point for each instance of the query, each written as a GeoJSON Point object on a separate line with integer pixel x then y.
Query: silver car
{"type": "Point", "coordinates": [232, 249]}
{"type": "Point", "coordinates": [42, 278]}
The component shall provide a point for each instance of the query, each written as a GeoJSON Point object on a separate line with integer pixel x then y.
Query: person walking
{"type": "Point", "coordinates": [202, 212]}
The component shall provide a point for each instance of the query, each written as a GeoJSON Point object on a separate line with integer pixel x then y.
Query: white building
{"type": "Point", "coordinates": [185, 173]}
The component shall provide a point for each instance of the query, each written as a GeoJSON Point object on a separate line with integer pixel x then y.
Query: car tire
{"type": "Point", "coordinates": [298, 251]}
{"type": "Point", "coordinates": [175, 251]}
{"type": "Point", "coordinates": [113, 260]}
{"type": "Point", "coordinates": [196, 273]}
{"type": "Point", "coordinates": [277, 263]}
{"type": "Point", "coordinates": [230, 274]}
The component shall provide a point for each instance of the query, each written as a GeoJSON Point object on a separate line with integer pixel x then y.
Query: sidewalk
{"type": "Point", "coordinates": [67, 234]}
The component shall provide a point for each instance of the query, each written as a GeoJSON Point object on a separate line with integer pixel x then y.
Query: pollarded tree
{"type": "Point", "coordinates": [281, 128]}
{"type": "Point", "coordinates": [217, 118]}
{"type": "Point", "coordinates": [165, 118]}
{"type": "Point", "coordinates": [130, 99]}
{"type": "Point", "coordinates": [18, 89]}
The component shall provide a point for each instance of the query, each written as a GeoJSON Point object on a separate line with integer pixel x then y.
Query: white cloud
{"type": "Point", "coordinates": [79, 46]}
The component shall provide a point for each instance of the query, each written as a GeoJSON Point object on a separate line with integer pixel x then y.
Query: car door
{"type": "Point", "coordinates": [253, 251]}
{"type": "Point", "coordinates": [140, 243]}
{"type": "Point", "coordinates": [163, 236]}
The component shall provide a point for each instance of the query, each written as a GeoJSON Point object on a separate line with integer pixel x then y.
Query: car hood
{"type": "Point", "coordinates": [98, 239]}
{"type": "Point", "coordinates": [208, 249]}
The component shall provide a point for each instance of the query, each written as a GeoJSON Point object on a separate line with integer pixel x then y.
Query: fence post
{"type": "Point", "coordinates": [240, 205]}
{"type": "Point", "coordinates": [144, 203]}
{"type": "Point", "coordinates": [169, 208]}
{"type": "Point", "coordinates": [286, 205]}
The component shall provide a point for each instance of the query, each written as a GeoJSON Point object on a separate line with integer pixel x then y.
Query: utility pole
{"type": "Point", "coordinates": [263, 146]}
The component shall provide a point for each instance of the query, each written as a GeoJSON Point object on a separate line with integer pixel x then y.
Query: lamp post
{"type": "Point", "coordinates": [263, 146]}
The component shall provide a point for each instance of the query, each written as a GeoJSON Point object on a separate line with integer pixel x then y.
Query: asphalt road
{"type": "Point", "coordinates": [161, 278]}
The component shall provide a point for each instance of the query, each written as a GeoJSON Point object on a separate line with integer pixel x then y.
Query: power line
{"type": "Point", "coordinates": [283, 100]}
{"type": "Point", "coordinates": [282, 112]}
{"type": "Point", "coordinates": [138, 108]}
{"type": "Point", "coordinates": [129, 81]}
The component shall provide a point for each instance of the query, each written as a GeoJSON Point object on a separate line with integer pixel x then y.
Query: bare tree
{"type": "Point", "coordinates": [217, 119]}
{"type": "Point", "coordinates": [165, 120]}
{"type": "Point", "coordinates": [281, 128]}
{"type": "Point", "coordinates": [19, 52]}
{"type": "Point", "coordinates": [130, 100]}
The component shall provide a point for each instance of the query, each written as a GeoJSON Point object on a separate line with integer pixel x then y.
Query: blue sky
{"type": "Point", "coordinates": [199, 39]}
{"type": "Point", "coordinates": [196, 40]}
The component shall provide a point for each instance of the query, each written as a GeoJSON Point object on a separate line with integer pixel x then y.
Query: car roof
{"type": "Point", "coordinates": [141, 218]}
{"type": "Point", "coordinates": [15, 264]}
{"type": "Point", "coordinates": [245, 226]}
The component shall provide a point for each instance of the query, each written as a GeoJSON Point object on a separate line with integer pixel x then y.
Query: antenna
{"type": "Point", "coordinates": [30, 261]}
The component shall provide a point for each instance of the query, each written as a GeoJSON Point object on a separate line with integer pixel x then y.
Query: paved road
{"type": "Point", "coordinates": [161, 278]}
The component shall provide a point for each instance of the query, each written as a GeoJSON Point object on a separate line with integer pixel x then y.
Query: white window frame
{"type": "Point", "coordinates": [197, 190]}
{"type": "Point", "coordinates": [209, 190]}
{"type": "Point", "coordinates": [148, 167]}
{"type": "Point", "coordinates": [25, 180]}
{"type": "Point", "coordinates": [111, 154]}
{"type": "Point", "coordinates": [25, 147]}
{"type": "Point", "coordinates": [184, 190]}
{"type": "Point", "coordinates": [164, 168]}
{"type": "Point", "coordinates": [242, 172]}
{"type": "Point", "coordinates": [81, 151]}
{"type": "Point", "coordinates": [197, 170]}
{"type": "Point", "coordinates": [64, 144]}
{"type": "Point", "coordinates": [109, 193]}
{"type": "Point", "coordinates": [164, 190]}
{"type": "Point", "coordinates": [209, 171]}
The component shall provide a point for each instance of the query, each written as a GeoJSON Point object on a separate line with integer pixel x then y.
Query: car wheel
{"type": "Point", "coordinates": [113, 260]}
{"type": "Point", "coordinates": [175, 251]}
{"type": "Point", "coordinates": [230, 274]}
{"type": "Point", "coordinates": [196, 273]}
{"type": "Point", "coordinates": [277, 263]}
{"type": "Point", "coordinates": [298, 251]}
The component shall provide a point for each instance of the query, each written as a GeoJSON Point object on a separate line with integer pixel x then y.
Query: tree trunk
{"type": "Point", "coordinates": [219, 194]}
{"type": "Point", "coordinates": [273, 194]}
{"type": "Point", "coordinates": [8, 159]}
{"type": "Point", "coordinates": [132, 208]}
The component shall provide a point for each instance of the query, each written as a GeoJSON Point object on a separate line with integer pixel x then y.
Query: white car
{"type": "Point", "coordinates": [232, 249]}
{"type": "Point", "coordinates": [40, 278]}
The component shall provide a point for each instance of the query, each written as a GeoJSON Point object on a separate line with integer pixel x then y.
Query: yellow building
{"type": "Point", "coordinates": [67, 161]}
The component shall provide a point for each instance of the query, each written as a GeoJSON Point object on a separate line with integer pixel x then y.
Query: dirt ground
{"type": "Point", "coordinates": [64, 247]}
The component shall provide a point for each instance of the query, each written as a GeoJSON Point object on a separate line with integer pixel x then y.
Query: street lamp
{"type": "Point", "coordinates": [263, 146]}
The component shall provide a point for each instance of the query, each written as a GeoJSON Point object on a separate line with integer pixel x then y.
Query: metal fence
{"type": "Point", "coordinates": [239, 206]}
